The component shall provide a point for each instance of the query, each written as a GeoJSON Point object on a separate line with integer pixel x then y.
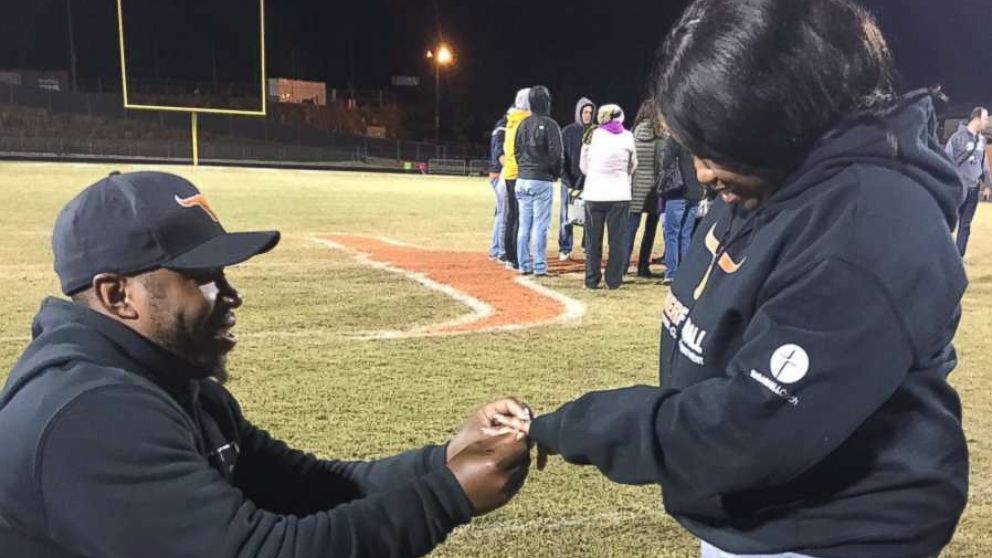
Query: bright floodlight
{"type": "Point", "coordinates": [444, 55]}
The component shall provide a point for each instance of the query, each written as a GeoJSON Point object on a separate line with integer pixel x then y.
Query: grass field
{"type": "Point", "coordinates": [301, 373]}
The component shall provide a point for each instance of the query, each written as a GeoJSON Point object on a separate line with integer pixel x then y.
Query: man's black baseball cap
{"type": "Point", "coordinates": [140, 221]}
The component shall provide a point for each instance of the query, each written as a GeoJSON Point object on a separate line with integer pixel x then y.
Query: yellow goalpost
{"type": "Point", "coordinates": [194, 111]}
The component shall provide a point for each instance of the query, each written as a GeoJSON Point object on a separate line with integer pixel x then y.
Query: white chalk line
{"type": "Point", "coordinates": [480, 310]}
{"type": "Point", "coordinates": [554, 523]}
{"type": "Point", "coordinates": [15, 339]}
{"type": "Point", "coordinates": [574, 309]}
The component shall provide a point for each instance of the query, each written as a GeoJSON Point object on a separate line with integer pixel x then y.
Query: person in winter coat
{"type": "Point", "coordinates": [608, 160]}
{"type": "Point", "coordinates": [649, 140]}
{"type": "Point", "coordinates": [497, 250]}
{"type": "Point", "coordinates": [682, 209]}
{"type": "Point", "coordinates": [516, 115]}
{"type": "Point", "coordinates": [120, 440]}
{"type": "Point", "coordinates": [804, 406]}
{"type": "Point", "coordinates": [572, 179]}
{"type": "Point", "coordinates": [539, 159]}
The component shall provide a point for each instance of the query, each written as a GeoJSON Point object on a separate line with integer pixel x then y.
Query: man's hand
{"type": "Point", "coordinates": [484, 418]}
{"type": "Point", "coordinates": [491, 471]}
{"type": "Point", "coordinates": [987, 193]}
{"type": "Point", "coordinates": [522, 427]}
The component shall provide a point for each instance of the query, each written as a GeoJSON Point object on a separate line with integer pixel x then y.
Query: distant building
{"type": "Point", "coordinates": [285, 90]}
{"type": "Point", "coordinates": [57, 80]}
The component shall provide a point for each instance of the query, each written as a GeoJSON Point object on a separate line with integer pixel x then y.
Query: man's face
{"type": "Point", "coordinates": [191, 315]}
{"type": "Point", "coordinates": [586, 115]}
{"type": "Point", "coordinates": [983, 121]}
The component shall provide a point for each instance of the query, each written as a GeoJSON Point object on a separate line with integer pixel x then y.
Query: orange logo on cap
{"type": "Point", "coordinates": [200, 201]}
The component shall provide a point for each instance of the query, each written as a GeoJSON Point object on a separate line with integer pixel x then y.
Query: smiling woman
{"type": "Point", "coordinates": [734, 187]}
{"type": "Point", "coordinates": [806, 341]}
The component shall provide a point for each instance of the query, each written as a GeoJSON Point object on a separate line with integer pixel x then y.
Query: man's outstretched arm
{"type": "Point", "coordinates": [138, 487]}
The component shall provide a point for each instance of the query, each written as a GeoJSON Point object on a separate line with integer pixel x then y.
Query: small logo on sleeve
{"type": "Point", "coordinates": [789, 364]}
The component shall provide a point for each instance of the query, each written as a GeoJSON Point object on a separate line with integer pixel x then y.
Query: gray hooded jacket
{"type": "Point", "coordinates": [571, 136]}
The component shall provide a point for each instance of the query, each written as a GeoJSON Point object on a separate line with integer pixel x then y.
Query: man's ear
{"type": "Point", "coordinates": [114, 294]}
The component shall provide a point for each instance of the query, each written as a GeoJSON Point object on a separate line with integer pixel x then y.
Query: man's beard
{"type": "Point", "coordinates": [183, 340]}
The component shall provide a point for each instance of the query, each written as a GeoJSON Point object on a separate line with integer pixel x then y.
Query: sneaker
{"type": "Point", "coordinates": [526, 272]}
{"type": "Point", "coordinates": [540, 274]}
{"type": "Point", "coordinates": [666, 281]}
{"type": "Point", "coordinates": [510, 265]}
{"type": "Point", "coordinates": [564, 256]}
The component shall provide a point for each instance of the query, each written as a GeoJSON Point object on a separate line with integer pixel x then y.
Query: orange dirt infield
{"type": "Point", "coordinates": [501, 299]}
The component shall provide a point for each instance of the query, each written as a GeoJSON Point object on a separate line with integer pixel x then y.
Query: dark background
{"type": "Point", "coordinates": [603, 50]}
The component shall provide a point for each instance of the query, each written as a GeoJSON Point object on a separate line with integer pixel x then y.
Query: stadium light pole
{"type": "Point", "coordinates": [72, 43]}
{"type": "Point", "coordinates": [443, 57]}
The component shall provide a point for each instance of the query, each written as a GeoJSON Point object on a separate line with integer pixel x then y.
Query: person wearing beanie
{"type": "Point", "coordinates": [516, 115]}
{"type": "Point", "coordinates": [608, 160]}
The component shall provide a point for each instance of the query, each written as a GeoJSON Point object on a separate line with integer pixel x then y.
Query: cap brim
{"type": "Point", "coordinates": [225, 250]}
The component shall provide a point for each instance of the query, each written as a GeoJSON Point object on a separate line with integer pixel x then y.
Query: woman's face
{"type": "Point", "coordinates": [747, 190]}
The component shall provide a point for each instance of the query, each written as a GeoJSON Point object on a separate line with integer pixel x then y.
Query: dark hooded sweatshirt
{"type": "Point", "coordinates": [805, 348]}
{"type": "Point", "coordinates": [104, 457]}
{"type": "Point", "coordinates": [571, 137]}
{"type": "Point", "coordinates": [538, 143]}
{"type": "Point", "coordinates": [496, 141]}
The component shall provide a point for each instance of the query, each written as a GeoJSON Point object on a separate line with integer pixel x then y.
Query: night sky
{"type": "Point", "coordinates": [603, 50]}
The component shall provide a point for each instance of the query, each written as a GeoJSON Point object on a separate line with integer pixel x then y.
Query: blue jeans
{"type": "Point", "coordinates": [565, 236]}
{"type": "Point", "coordinates": [496, 247]}
{"type": "Point", "coordinates": [534, 197]}
{"type": "Point", "coordinates": [680, 222]}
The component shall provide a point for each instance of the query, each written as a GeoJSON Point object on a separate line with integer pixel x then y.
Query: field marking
{"type": "Point", "coordinates": [573, 308]}
{"type": "Point", "coordinates": [481, 310]}
{"type": "Point", "coordinates": [15, 339]}
{"type": "Point", "coordinates": [315, 332]}
{"type": "Point", "coordinates": [553, 523]}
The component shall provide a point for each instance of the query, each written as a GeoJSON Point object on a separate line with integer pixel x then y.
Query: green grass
{"type": "Point", "coordinates": [300, 373]}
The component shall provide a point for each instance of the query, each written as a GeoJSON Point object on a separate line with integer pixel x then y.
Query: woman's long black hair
{"type": "Point", "coordinates": [754, 84]}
